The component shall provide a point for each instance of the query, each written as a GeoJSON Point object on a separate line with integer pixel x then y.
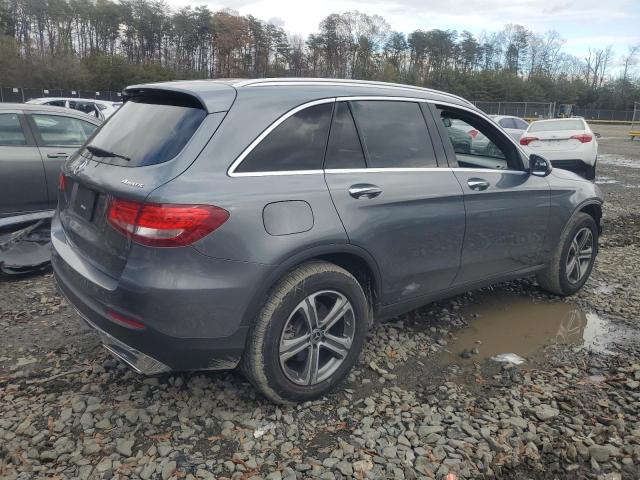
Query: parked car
{"type": "Point", "coordinates": [35, 140]}
{"type": "Point", "coordinates": [101, 109]}
{"type": "Point", "coordinates": [264, 224]}
{"type": "Point", "coordinates": [514, 126]}
{"type": "Point", "coordinates": [568, 143]}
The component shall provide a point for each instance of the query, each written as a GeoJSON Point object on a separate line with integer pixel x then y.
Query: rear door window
{"type": "Point", "coordinates": [146, 131]}
{"type": "Point", "coordinates": [507, 123]}
{"type": "Point", "coordinates": [57, 130]}
{"type": "Point", "coordinates": [520, 124]}
{"type": "Point", "coordinates": [394, 133]}
{"type": "Point", "coordinates": [11, 132]}
{"type": "Point", "coordinates": [298, 143]}
{"type": "Point", "coordinates": [344, 149]}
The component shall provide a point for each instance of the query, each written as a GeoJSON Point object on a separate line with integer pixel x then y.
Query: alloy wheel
{"type": "Point", "coordinates": [580, 255]}
{"type": "Point", "coordinates": [317, 337]}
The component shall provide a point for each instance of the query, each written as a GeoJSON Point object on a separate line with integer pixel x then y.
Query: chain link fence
{"type": "Point", "coordinates": [20, 95]}
{"type": "Point", "coordinates": [605, 115]}
{"type": "Point", "coordinates": [518, 109]}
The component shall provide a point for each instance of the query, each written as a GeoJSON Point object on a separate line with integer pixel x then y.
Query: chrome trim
{"type": "Point", "coordinates": [231, 171]}
{"type": "Point", "coordinates": [387, 170]}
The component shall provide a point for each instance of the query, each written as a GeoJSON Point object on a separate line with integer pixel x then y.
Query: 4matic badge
{"type": "Point", "coordinates": [126, 181]}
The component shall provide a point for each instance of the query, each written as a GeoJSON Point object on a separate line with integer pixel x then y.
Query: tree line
{"type": "Point", "coordinates": [106, 45]}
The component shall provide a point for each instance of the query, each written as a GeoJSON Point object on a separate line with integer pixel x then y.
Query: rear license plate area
{"type": "Point", "coordinates": [84, 203]}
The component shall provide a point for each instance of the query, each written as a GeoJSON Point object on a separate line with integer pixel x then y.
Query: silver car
{"type": "Point", "coordinates": [265, 224]}
{"type": "Point", "coordinates": [514, 126]}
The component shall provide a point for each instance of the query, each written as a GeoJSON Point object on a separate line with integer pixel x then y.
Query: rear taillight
{"type": "Point", "coordinates": [582, 137]}
{"type": "Point", "coordinates": [164, 225]}
{"type": "Point", "coordinates": [473, 133]}
{"type": "Point", "coordinates": [527, 140]}
{"type": "Point", "coordinates": [62, 182]}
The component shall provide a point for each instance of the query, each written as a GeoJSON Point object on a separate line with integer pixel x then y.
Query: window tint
{"type": "Point", "coordinates": [10, 130]}
{"type": "Point", "coordinates": [395, 134]}
{"type": "Point", "coordinates": [61, 131]}
{"type": "Point", "coordinates": [478, 145]}
{"type": "Point", "coordinates": [507, 123]}
{"type": "Point", "coordinates": [344, 150]}
{"type": "Point", "coordinates": [298, 143]}
{"type": "Point", "coordinates": [148, 131]}
{"type": "Point", "coordinates": [57, 103]}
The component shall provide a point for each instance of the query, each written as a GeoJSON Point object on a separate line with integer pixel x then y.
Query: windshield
{"type": "Point", "coordinates": [146, 132]}
{"type": "Point", "coordinates": [556, 125]}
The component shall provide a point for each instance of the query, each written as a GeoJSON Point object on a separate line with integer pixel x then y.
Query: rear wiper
{"type": "Point", "coordinates": [101, 152]}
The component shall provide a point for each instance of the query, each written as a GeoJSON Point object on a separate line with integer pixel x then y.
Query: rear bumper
{"type": "Point", "coordinates": [577, 166]}
{"type": "Point", "coordinates": [194, 314]}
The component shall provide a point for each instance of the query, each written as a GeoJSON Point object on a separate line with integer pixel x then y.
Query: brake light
{"type": "Point", "coordinates": [473, 133]}
{"type": "Point", "coordinates": [62, 182]}
{"type": "Point", "coordinates": [582, 137]}
{"type": "Point", "coordinates": [527, 140]}
{"type": "Point", "coordinates": [164, 225]}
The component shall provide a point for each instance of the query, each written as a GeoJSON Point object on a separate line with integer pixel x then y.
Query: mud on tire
{"type": "Point", "coordinates": [285, 346]}
{"type": "Point", "coordinates": [559, 277]}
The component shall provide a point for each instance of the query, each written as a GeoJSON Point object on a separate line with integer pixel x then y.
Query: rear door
{"type": "Point", "coordinates": [392, 197]}
{"type": "Point", "coordinates": [58, 136]}
{"type": "Point", "coordinates": [507, 209]}
{"type": "Point", "coordinates": [22, 180]}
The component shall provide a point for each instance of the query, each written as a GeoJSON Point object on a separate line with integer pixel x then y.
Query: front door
{"type": "Point", "coordinates": [393, 199]}
{"type": "Point", "coordinates": [507, 209]}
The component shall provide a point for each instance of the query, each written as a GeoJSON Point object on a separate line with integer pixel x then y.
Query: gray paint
{"type": "Point", "coordinates": [287, 218]}
{"type": "Point", "coordinates": [426, 236]}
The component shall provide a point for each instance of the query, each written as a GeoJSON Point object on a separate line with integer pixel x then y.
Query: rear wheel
{"type": "Point", "coordinates": [308, 335]}
{"type": "Point", "coordinates": [572, 261]}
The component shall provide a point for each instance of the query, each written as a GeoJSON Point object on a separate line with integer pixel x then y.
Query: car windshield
{"type": "Point", "coordinates": [556, 125]}
{"type": "Point", "coordinates": [146, 132]}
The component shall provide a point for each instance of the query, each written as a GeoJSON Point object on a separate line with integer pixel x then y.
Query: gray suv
{"type": "Point", "coordinates": [264, 224]}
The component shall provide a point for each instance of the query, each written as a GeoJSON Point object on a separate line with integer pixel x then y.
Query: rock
{"type": "Point", "coordinates": [168, 469]}
{"type": "Point", "coordinates": [346, 468]}
{"type": "Point", "coordinates": [600, 453]}
{"type": "Point", "coordinates": [124, 446]}
{"type": "Point", "coordinates": [546, 412]}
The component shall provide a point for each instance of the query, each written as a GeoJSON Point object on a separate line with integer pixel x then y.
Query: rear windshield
{"type": "Point", "coordinates": [554, 126]}
{"type": "Point", "coordinates": [145, 131]}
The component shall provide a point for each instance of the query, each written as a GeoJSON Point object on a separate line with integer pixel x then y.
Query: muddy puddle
{"type": "Point", "coordinates": [505, 324]}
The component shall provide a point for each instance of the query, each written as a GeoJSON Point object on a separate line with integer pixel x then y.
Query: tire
{"type": "Point", "coordinates": [284, 323]}
{"type": "Point", "coordinates": [558, 277]}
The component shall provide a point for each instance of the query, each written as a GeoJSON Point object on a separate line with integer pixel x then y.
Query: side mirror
{"type": "Point", "coordinates": [598, 135]}
{"type": "Point", "coordinates": [539, 166]}
{"type": "Point", "coordinates": [446, 121]}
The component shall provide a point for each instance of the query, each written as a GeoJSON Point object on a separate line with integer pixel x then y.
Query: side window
{"type": "Point", "coordinates": [56, 103]}
{"type": "Point", "coordinates": [11, 132]}
{"type": "Point", "coordinates": [62, 131]}
{"type": "Point", "coordinates": [395, 134]}
{"type": "Point", "coordinates": [344, 149]}
{"type": "Point", "coordinates": [507, 123]}
{"type": "Point", "coordinates": [298, 143]}
{"type": "Point", "coordinates": [477, 144]}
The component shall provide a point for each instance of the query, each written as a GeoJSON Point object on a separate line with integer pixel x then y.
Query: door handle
{"type": "Point", "coordinates": [364, 190]}
{"type": "Point", "coordinates": [477, 184]}
{"type": "Point", "coordinates": [57, 155]}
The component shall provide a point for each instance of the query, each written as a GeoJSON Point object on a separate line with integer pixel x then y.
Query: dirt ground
{"type": "Point", "coordinates": [425, 401]}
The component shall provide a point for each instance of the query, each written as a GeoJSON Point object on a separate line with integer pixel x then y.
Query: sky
{"type": "Point", "coordinates": [582, 23]}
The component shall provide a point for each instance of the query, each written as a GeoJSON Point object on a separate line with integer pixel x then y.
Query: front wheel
{"type": "Point", "coordinates": [308, 335]}
{"type": "Point", "coordinates": [572, 261]}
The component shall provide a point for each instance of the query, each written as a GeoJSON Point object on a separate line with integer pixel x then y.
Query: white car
{"type": "Point", "coordinates": [568, 143]}
{"type": "Point", "coordinates": [101, 109]}
{"type": "Point", "coordinates": [514, 126]}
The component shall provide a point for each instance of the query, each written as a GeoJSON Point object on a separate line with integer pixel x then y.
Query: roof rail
{"type": "Point", "coordinates": [338, 81]}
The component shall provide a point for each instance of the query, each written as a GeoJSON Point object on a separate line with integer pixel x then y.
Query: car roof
{"type": "Point", "coordinates": [557, 119]}
{"type": "Point", "coordinates": [31, 107]}
{"type": "Point", "coordinates": [218, 95]}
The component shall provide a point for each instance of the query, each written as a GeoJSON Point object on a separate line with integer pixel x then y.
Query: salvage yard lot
{"type": "Point", "coordinates": [425, 400]}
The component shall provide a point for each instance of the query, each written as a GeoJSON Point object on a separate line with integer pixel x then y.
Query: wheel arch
{"type": "Point", "coordinates": [355, 260]}
{"type": "Point", "coordinates": [593, 208]}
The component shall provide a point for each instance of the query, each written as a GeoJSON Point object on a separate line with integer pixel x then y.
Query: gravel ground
{"type": "Point", "coordinates": [418, 405]}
